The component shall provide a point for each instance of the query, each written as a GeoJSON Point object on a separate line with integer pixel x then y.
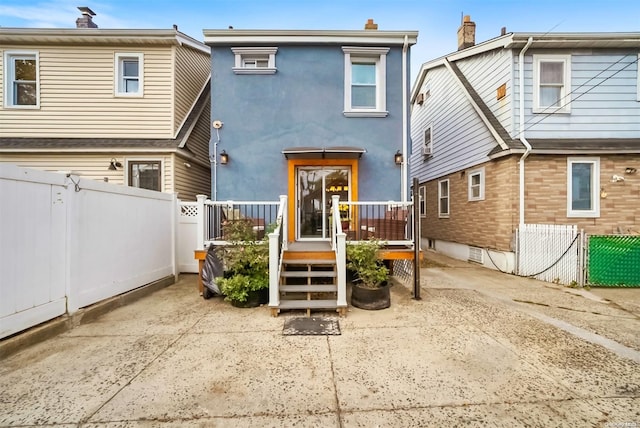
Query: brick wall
{"type": "Point", "coordinates": [546, 194]}
{"type": "Point", "coordinates": [491, 223]}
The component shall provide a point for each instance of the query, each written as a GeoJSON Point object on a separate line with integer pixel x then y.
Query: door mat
{"type": "Point", "coordinates": [311, 326]}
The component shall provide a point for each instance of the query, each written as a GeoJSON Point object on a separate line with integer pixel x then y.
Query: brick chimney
{"type": "Point", "coordinates": [370, 25]}
{"type": "Point", "coordinates": [86, 20]}
{"type": "Point", "coordinates": [466, 33]}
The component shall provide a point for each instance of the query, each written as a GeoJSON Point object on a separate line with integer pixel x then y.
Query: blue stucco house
{"type": "Point", "coordinates": [310, 114]}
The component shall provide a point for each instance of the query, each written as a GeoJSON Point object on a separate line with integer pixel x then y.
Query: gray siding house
{"type": "Point", "coordinates": [526, 128]}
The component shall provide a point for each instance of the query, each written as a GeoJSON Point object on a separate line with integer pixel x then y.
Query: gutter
{"type": "Point", "coordinates": [522, 137]}
{"type": "Point", "coordinates": [403, 168]}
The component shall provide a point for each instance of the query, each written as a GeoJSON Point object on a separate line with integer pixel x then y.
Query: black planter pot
{"type": "Point", "coordinates": [254, 299]}
{"type": "Point", "coordinates": [370, 298]}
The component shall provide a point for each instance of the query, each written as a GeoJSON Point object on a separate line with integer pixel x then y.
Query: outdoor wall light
{"type": "Point", "coordinates": [224, 157]}
{"type": "Point", "coordinates": [630, 170]}
{"type": "Point", "coordinates": [114, 165]}
{"type": "Point", "coordinates": [397, 158]}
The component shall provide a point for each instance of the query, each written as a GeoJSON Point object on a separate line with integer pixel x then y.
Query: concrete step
{"type": "Point", "coordinates": [312, 288]}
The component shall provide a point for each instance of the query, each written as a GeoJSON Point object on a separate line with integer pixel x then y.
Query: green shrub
{"type": "Point", "coordinates": [362, 259]}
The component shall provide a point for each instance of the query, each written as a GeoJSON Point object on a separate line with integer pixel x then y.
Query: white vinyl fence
{"type": "Point", "coordinates": [550, 252]}
{"type": "Point", "coordinates": [68, 242]}
{"type": "Point", "coordinates": [188, 237]}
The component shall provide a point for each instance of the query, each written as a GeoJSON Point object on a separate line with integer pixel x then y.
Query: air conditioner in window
{"type": "Point", "coordinates": [426, 150]}
{"type": "Point", "coordinates": [420, 98]}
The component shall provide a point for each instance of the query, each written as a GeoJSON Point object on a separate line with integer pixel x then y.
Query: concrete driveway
{"type": "Point", "coordinates": [481, 349]}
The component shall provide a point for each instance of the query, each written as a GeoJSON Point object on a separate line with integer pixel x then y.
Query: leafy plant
{"type": "Point", "coordinates": [246, 263]}
{"type": "Point", "coordinates": [362, 259]}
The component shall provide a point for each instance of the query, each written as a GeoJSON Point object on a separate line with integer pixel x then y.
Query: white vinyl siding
{"type": "Point", "coordinates": [551, 84]}
{"type": "Point", "coordinates": [365, 87]}
{"type": "Point", "coordinates": [583, 187]}
{"type": "Point", "coordinates": [604, 102]}
{"type": "Point", "coordinates": [77, 98]}
{"type": "Point", "coordinates": [443, 198]}
{"type": "Point", "coordinates": [476, 185]}
{"type": "Point", "coordinates": [22, 82]}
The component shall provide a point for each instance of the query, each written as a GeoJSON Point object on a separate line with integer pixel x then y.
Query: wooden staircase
{"type": "Point", "coordinates": [308, 281]}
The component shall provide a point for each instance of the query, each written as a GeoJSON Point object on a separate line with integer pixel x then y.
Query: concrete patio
{"type": "Point", "coordinates": [480, 349]}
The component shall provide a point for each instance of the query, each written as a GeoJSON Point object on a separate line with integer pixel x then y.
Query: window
{"type": "Point", "coordinates": [257, 60]}
{"type": "Point", "coordinates": [427, 143]}
{"type": "Point", "coordinates": [365, 89]}
{"type": "Point", "coordinates": [422, 194]}
{"type": "Point", "coordinates": [443, 198]}
{"type": "Point", "coordinates": [638, 77]}
{"type": "Point", "coordinates": [22, 81]}
{"type": "Point", "coordinates": [476, 185]}
{"type": "Point", "coordinates": [552, 83]}
{"type": "Point", "coordinates": [145, 175]}
{"type": "Point", "coordinates": [129, 74]}
{"type": "Point", "coordinates": [583, 187]}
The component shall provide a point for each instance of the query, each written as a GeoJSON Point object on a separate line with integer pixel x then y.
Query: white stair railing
{"type": "Point", "coordinates": [339, 245]}
{"type": "Point", "coordinates": [277, 247]}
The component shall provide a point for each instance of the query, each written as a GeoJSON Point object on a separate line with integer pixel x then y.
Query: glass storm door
{"type": "Point", "coordinates": [315, 187]}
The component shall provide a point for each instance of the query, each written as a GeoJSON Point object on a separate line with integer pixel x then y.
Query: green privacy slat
{"type": "Point", "coordinates": [614, 261]}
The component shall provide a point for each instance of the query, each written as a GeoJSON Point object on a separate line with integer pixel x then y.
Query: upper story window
{"type": "Point", "coordinates": [476, 185]}
{"type": "Point", "coordinates": [257, 60]}
{"type": "Point", "coordinates": [551, 83]}
{"type": "Point", "coordinates": [427, 142]}
{"type": "Point", "coordinates": [365, 87]}
{"type": "Point", "coordinates": [22, 82]}
{"type": "Point", "coordinates": [583, 187]}
{"type": "Point", "coordinates": [129, 74]}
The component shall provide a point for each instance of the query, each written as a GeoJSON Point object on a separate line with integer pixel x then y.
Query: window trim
{"type": "Point", "coordinates": [9, 74]}
{"type": "Point", "coordinates": [422, 200]}
{"type": "Point", "coordinates": [594, 212]}
{"type": "Point", "coordinates": [565, 92]}
{"type": "Point", "coordinates": [638, 77]}
{"type": "Point", "coordinates": [129, 178]}
{"type": "Point", "coordinates": [379, 57]}
{"type": "Point", "coordinates": [481, 185]}
{"type": "Point", "coordinates": [118, 70]}
{"type": "Point", "coordinates": [441, 197]}
{"type": "Point", "coordinates": [254, 53]}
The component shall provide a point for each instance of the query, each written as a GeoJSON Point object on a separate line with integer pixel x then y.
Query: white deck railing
{"type": "Point", "coordinates": [277, 247]}
{"type": "Point", "coordinates": [338, 244]}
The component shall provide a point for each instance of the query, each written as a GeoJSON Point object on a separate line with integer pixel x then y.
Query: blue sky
{"type": "Point", "coordinates": [436, 20]}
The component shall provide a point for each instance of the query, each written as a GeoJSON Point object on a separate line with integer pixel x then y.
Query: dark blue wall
{"type": "Point", "coordinates": [300, 105]}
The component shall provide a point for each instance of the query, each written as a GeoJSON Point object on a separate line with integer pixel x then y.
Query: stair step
{"type": "Point", "coordinates": [308, 304]}
{"type": "Point", "coordinates": [324, 262]}
{"type": "Point", "coordinates": [309, 274]}
{"type": "Point", "coordinates": [313, 288]}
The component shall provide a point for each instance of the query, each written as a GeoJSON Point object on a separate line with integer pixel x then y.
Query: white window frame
{"type": "Point", "coordinates": [442, 214]}
{"type": "Point", "coordinates": [595, 187]}
{"type": "Point", "coordinates": [476, 172]}
{"type": "Point", "coordinates": [377, 56]}
{"type": "Point", "coordinates": [9, 73]}
{"type": "Point", "coordinates": [565, 91]}
{"type": "Point", "coordinates": [638, 77]}
{"type": "Point", "coordinates": [428, 129]}
{"type": "Point", "coordinates": [422, 196]}
{"type": "Point", "coordinates": [119, 57]}
{"type": "Point", "coordinates": [245, 56]}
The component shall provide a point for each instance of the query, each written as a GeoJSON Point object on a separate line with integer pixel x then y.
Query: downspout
{"type": "Point", "coordinates": [405, 157]}
{"type": "Point", "coordinates": [523, 140]}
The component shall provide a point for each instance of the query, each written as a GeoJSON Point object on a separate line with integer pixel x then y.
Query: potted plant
{"type": "Point", "coordinates": [369, 288]}
{"type": "Point", "coordinates": [246, 279]}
